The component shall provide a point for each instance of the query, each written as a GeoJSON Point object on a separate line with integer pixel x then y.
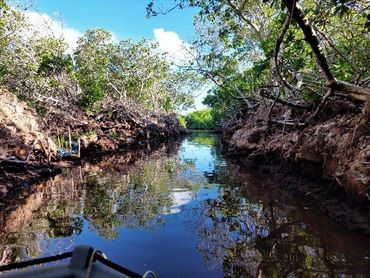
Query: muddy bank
{"type": "Point", "coordinates": [35, 145]}
{"type": "Point", "coordinates": [326, 161]}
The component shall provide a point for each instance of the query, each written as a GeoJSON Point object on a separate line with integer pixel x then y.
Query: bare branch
{"type": "Point", "coordinates": [322, 104]}
{"type": "Point", "coordinates": [284, 102]}
{"type": "Point", "coordinates": [279, 41]}
{"type": "Point", "coordinates": [365, 81]}
{"type": "Point", "coordinates": [288, 123]}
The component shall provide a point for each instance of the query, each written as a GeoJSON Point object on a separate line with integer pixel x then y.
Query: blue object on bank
{"type": "Point", "coordinates": [63, 152]}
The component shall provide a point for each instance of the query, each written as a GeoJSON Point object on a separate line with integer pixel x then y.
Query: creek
{"type": "Point", "coordinates": [181, 210]}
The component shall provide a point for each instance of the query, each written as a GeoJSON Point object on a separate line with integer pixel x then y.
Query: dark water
{"type": "Point", "coordinates": [182, 211]}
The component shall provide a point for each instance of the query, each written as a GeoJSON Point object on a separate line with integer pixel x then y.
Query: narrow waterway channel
{"type": "Point", "coordinates": [181, 210]}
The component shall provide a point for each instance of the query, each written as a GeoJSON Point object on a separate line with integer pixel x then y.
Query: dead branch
{"type": "Point", "coordinates": [115, 126]}
{"type": "Point", "coordinates": [247, 100]}
{"type": "Point", "coordinates": [364, 82]}
{"type": "Point", "coordinates": [355, 91]}
{"type": "Point", "coordinates": [14, 161]}
{"type": "Point", "coordinates": [31, 150]}
{"type": "Point", "coordinates": [284, 102]}
{"type": "Point", "coordinates": [288, 122]}
{"type": "Point", "coordinates": [273, 105]}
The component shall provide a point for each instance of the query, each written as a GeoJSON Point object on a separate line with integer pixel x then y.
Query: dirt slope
{"type": "Point", "coordinates": [20, 129]}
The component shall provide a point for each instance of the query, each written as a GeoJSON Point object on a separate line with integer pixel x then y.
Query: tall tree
{"type": "Point", "coordinates": [92, 59]}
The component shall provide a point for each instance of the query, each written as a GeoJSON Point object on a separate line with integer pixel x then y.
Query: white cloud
{"type": "Point", "coordinates": [178, 51]}
{"type": "Point", "coordinates": [115, 38]}
{"type": "Point", "coordinates": [180, 198]}
{"type": "Point", "coordinates": [43, 25]}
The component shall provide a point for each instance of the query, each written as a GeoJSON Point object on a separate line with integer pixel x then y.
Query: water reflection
{"type": "Point", "coordinates": [256, 230]}
{"type": "Point", "coordinates": [181, 210]}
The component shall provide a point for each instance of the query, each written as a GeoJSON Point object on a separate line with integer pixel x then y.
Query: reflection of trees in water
{"type": "Point", "coordinates": [251, 228]}
{"type": "Point", "coordinates": [210, 140]}
{"type": "Point", "coordinates": [121, 195]}
{"type": "Point", "coordinates": [252, 237]}
{"type": "Point", "coordinates": [206, 139]}
{"type": "Point", "coordinates": [58, 218]}
{"type": "Point", "coordinates": [39, 213]}
{"type": "Point", "coordinates": [19, 245]}
{"type": "Point", "coordinates": [135, 199]}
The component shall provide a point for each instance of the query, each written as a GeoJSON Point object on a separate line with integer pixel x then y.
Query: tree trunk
{"type": "Point", "coordinates": [355, 91]}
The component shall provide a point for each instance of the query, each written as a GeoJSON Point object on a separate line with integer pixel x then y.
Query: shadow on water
{"type": "Point", "coordinates": [181, 210]}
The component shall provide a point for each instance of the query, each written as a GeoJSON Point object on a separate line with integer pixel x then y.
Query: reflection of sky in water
{"type": "Point", "coordinates": [203, 159]}
{"type": "Point", "coordinates": [180, 197]}
{"type": "Point", "coordinates": [200, 155]}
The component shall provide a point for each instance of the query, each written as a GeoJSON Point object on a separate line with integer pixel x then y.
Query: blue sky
{"type": "Point", "coordinates": [126, 18]}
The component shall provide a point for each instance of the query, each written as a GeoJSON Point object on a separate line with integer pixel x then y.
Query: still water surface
{"type": "Point", "coordinates": [181, 210]}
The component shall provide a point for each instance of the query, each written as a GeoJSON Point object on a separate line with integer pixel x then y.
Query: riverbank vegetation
{"type": "Point", "coordinates": [98, 72]}
{"type": "Point", "coordinates": [254, 53]}
{"type": "Point", "coordinates": [62, 101]}
{"type": "Point", "coordinates": [201, 119]}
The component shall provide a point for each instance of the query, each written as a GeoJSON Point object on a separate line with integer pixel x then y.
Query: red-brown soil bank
{"type": "Point", "coordinates": [326, 160]}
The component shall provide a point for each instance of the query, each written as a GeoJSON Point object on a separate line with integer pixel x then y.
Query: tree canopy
{"type": "Point", "coordinates": [251, 51]}
{"type": "Point", "coordinates": [202, 119]}
{"type": "Point", "coordinates": [99, 72]}
{"type": "Point", "coordinates": [288, 50]}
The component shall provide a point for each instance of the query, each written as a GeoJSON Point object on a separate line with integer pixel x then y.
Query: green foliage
{"type": "Point", "coordinates": [100, 72]}
{"type": "Point", "coordinates": [92, 60]}
{"type": "Point", "coordinates": [51, 64]}
{"type": "Point", "coordinates": [231, 51]}
{"type": "Point", "coordinates": [93, 91]}
{"type": "Point", "coordinates": [182, 121]}
{"type": "Point", "coordinates": [139, 71]}
{"type": "Point", "coordinates": [205, 140]}
{"type": "Point", "coordinates": [41, 110]}
{"type": "Point", "coordinates": [202, 119]}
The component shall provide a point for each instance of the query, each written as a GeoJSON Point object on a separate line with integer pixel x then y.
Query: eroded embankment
{"type": "Point", "coordinates": [33, 148]}
{"type": "Point", "coordinates": [327, 161]}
